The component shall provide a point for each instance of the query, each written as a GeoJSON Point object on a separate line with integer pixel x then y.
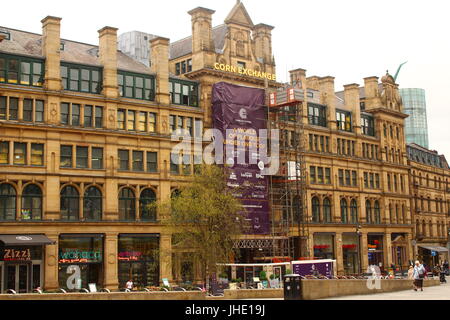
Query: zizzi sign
{"type": "Point", "coordinates": [16, 255]}
{"type": "Point", "coordinates": [244, 71]}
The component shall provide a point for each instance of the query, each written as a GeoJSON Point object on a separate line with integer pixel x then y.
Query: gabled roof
{"type": "Point", "coordinates": [30, 44]}
{"type": "Point", "coordinates": [239, 15]}
{"type": "Point", "coordinates": [183, 47]}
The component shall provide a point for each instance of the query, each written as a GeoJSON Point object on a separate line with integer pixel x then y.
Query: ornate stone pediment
{"type": "Point", "coordinates": [239, 15]}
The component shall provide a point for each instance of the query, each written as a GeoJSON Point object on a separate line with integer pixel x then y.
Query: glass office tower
{"type": "Point", "coordinates": [416, 127]}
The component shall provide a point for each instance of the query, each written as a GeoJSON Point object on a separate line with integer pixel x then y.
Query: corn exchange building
{"type": "Point", "coordinates": [85, 145]}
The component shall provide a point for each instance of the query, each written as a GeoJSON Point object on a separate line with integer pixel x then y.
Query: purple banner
{"type": "Point", "coordinates": [314, 269]}
{"type": "Point", "coordinates": [241, 111]}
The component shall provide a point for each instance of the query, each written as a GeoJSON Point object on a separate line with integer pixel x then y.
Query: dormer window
{"type": "Point", "coordinates": [5, 34]}
{"type": "Point", "coordinates": [241, 64]}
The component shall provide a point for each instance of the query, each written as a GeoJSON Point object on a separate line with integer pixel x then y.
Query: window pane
{"type": "Point", "coordinates": [138, 161]}
{"type": "Point", "coordinates": [20, 153]}
{"type": "Point", "coordinates": [152, 165]}
{"type": "Point", "coordinates": [4, 152]}
{"type": "Point", "coordinates": [131, 120]}
{"type": "Point", "coordinates": [66, 157]}
{"type": "Point", "coordinates": [88, 116]}
{"type": "Point", "coordinates": [27, 110]}
{"type": "Point", "coordinates": [39, 111]}
{"type": "Point", "coordinates": [37, 154]}
{"type": "Point", "coordinates": [97, 158]}
{"type": "Point", "coordinates": [142, 121]}
{"type": "Point", "coordinates": [64, 113]}
{"type": "Point", "coordinates": [121, 119]}
{"type": "Point", "coordinates": [152, 122]}
{"type": "Point", "coordinates": [123, 159]}
{"type": "Point", "coordinates": [99, 117]}
{"type": "Point", "coordinates": [13, 108]}
{"type": "Point", "coordinates": [82, 157]}
{"type": "Point", "coordinates": [2, 107]}
{"type": "Point", "coordinates": [75, 114]}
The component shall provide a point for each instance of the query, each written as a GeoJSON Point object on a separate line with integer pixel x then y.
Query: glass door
{"type": "Point", "coordinates": [18, 277]}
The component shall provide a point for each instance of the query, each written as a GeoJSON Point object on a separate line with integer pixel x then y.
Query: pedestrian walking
{"type": "Point", "coordinates": [411, 273]}
{"type": "Point", "coordinates": [129, 285]}
{"type": "Point", "coordinates": [418, 275]}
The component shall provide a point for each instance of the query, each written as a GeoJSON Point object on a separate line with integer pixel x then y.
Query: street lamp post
{"type": "Point", "coordinates": [359, 232]}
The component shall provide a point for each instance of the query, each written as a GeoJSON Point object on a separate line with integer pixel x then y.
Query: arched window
{"type": "Point", "coordinates": [7, 202]}
{"type": "Point", "coordinates": [31, 203]}
{"type": "Point", "coordinates": [315, 209]}
{"type": "Point", "coordinates": [326, 210]}
{"type": "Point", "coordinates": [127, 207]}
{"type": "Point", "coordinates": [148, 196]}
{"type": "Point", "coordinates": [344, 211]}
{"type": "Point", "coordinates": [70, 203]}
{"type": "Point", "coordinates": [354, 211]}
{"type": "Point", "coordinates": [369, 212]}
{"type": "Point", "coordinates": [92, 204]}
{"type": "Point", "coordinates": [377, 212]}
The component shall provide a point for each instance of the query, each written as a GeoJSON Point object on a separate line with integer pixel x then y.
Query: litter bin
{"type": "Point", "coordinates": [292, 287]}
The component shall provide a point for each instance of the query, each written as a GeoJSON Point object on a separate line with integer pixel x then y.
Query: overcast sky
{"type": "Point", "coordinates": [347, 39]}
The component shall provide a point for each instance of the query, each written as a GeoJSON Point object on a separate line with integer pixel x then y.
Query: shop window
{"type": "Point", "coordinates": [127, 205]}
{"type": "Point", "coordinates": [138, 260]}
{"type": "Point", "coordinates": [70, 202]}
{"type": "Point", "coordinates": [350, 251]}
{"type": "Point", "coordinates": [92, 204]}
{"type": "Point", "coordinates": [7, 202]}
{"type": "Point", "coordinates": [80, 260]}
{"type": "Point", "coordinates": [375, 249]}
{"type": "Point", "coordinates": [148, 197]}
{"type": "Point", "coordinates": [21, 70]}
{"type": "Point", "coordinates": [315, 210]}
{"type": "Point", "coordinates": [323, 246]}
{"type": "Point", "coordinates": [31, 203]}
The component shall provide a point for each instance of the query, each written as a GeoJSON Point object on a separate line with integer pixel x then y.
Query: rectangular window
{"type": "Point", "coordinates": [341, 177]}
{"type": "Point", "coordinates": [184, 92]}
{"type": "Point", "coordinates": [311, 142]}
{"type": "Point", "coordinates": [20, 153]}
{"type": "Point", "coordinates": [81, 78]}
{"type": "Point", "coordinates": [317, 115]}
{"type": "Point", "coordinates": [138, 161]}
{"type": "Point", "coordinates": [27, 110]}
{"type": "Point", "coordinates": [21, 70]}
{"type": "Point", "coordinates": [198, 128]}
{"type": "Point", "coordinates": [97, 158]}
{"type": "Point", "coordinates": [98, 117]}
{"type": "Point", "coordinates": [344, 121]}
{"type": "Point", "coordinates": [180, 122]}
{"type": "Point", "coordinates": [152, 162]}
{"type": "Point", "coordinates": [367, 125]}
{"type": "Point", "coordinates": [189, 125]}
{"type": "Point", "coordinates": [327, 176]}
{"type": "Point", "coordinates": [39, 111]}
{"type": "Point", "coordinates": [88, 123]}
{"type": "Point", "coordinates": [319, 175]}
{"type": "Point", "coordinates": [347, 178]}
{"type": "Point", "coordinates": [37, 154]}
{"type": "Point", "coordinates": [377, 180]}
{"type": "Point", "coordinates": [174, 167]}
{"type": "Point", "coordinates": [124, 160]}
{"type": "Point", "coordinates": [82, 157]}
{"type": "Point", "coordinates": [137, 86]}
{"type": "Point", "coordinates": [2, 107]}
{"type": "Point", "coordinates": [312, 174]}
{"type": "Point", "coordinates": [142, 122]}
{"type": "Point", "coordinates": [66, 157]}
{"type": "Point", "coordinates": [338, 146]}
{"type": "Point", "coordinates": [152, 122]}
{"type": "Point", "coordinates": [13, 108]}
{"type": "Point", "coordinates": [75, 114]}
{"type": "Point", "coordinates": [366, 180]}
{"type": "Point", "coordinates": [354, 179]}
{"type": "Point", "coordinates": [183, 67]}
{"type": "Point", "coordinates": [64, 113]}
{"type": "Point", "coordinates": [172, 120]}
{"type": "Point", "coordinates": [121, 119]}
{"type": "Point", "coordinates": [372, 181]}
{"type": "Point", "coordinates": [131, 121]}
{"type": "Point", "coordinates": [189, 65]}
{"type": "Point", "coordinates": [327, 144]}
{"type": "Point", "coordinates": [4, 152]}
{"type": "Point", "coordinates": [177, 69]}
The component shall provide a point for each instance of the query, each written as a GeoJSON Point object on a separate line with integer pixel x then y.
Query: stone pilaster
{"type": "Point", "coordinates": [111, 280]}
{"type": "Point", "coordinates": [165, 257]}
{"type": "Point", "coordinates": [51, 264]}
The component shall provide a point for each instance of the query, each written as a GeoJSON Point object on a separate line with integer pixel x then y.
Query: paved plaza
{"type": "Point", "coordinates": [441, 292]}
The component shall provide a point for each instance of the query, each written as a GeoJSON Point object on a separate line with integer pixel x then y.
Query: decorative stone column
{"type": "Point", "coordinates": [364, 252]}
{"type": "Point", "coordinates": [51, 264]}
{"type": "Point", "coordinates": [339, 254]}
{"type": "Point", "coordinates": [110, 263]}
{"type": "Point", "coordinates": [165, 257]}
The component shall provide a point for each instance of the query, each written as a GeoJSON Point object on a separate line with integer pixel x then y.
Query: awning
{"type": "Point", "coordinates": [25, 240]}
{"type": "Point", "coordinates": [437, 249]}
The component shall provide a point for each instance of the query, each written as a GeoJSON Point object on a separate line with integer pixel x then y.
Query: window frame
{"type": "Point", "coordinates": [22, 59]}
{"type": "Point", "coordinates": [79, 68]}
{"type": "Point", "coordinates": [122, 85]}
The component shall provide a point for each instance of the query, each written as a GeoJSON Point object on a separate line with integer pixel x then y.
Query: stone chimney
{"type": "Point", "coordinates": [326, 88]}
{"type": "Point", "coordinates": [312, 83]}
{"type": "Point", "coordinates": [372, 92]}
{"type": "Point", "coordinates": [202, 41]}
{"type": "Point", "coordinates": [262, 35]}
{"type": "Point", "coordinates": [298, 77]}
{"type": "Point", "coordinates": [351, 100]}
{"type": "Point", "coordinates": [51, 42]}
{"type": "Point", "coordinates": [159, 57]}
{"type": "Point", "coordinates": [108, 58]}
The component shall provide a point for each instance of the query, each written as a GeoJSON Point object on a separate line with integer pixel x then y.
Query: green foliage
{"type": "Point", "coordinates": [206, 218]}
{"type": "Point", "coordinates": [262, 276]}
{"type": "Point", "coordinates": [272, 276]}
{"type": "Point", "coordinates": [288, 271]}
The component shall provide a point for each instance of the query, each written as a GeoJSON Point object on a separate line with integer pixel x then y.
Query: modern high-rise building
{"type": "Point", "coordinates": [416, 127]}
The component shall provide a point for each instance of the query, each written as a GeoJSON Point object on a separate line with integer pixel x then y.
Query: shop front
{"type": "Point", "coordinates": [350, 251]}
{"type": "Point", "coordinates": [80, 260]}
{"type": "Point", "coordinates": [324, 246]}
{"type": "Point", "coordinates": [138, 260]}
{"type": "Point", "coordinates": [432, 255]}
{"type": "Point", "coordinates": [21, 262]}
{"type": "Point", "coordinates": [375, 250]}
{"type": "Point", "coordinates": [399, 252]}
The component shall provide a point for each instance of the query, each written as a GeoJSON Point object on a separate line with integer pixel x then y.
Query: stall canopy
{"type": "Point", "coordinates": [437, 249]}
{"type": "Point", "coordinates": [24, 240]}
